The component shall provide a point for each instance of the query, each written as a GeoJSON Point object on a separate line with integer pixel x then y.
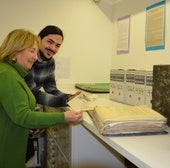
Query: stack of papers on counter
{"type": "Point", "coordinates": [123, 120]}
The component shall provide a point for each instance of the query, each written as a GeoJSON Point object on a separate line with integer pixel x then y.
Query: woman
{"type": "Point", "coordinates": [18, 53]}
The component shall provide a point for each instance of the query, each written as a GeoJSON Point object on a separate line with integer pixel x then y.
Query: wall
{"type": "Point", "coordinates": [139, 58]}
{"type": "Point", "coordinates": [88, 33]}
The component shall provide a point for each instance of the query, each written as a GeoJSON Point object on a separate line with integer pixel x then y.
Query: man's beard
{"type": "Point", "coordinates": [43, 57]}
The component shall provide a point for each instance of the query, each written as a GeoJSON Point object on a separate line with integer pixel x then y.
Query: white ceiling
{"type": "Point", "coordinates": [107, 6]}
{"type": "Point", "coordinates": [112, 2]}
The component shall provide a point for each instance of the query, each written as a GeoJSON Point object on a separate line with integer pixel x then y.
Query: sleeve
{"type": "Point", "coordinates": [49, 83]}
{"type": "Point", "coordinates": [51, 100]}
{"type": "Point", "coordinates": [19, 103]}
{"type": "Point", "coordinates": [52, 95]}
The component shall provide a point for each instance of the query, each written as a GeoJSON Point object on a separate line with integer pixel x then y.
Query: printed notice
{"type": "Point", "coordinates": [62, 68]}
{"type": "Point", "coordinates": [155, 26]}
{"type": "Point", "coordinates": [123, 35]}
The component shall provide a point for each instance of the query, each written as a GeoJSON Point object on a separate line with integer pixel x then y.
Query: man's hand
{"type": "Point", "coordinates": [73, 96]}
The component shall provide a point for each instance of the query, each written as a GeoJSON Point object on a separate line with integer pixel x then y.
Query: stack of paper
{"type": "Point", "coordinates": [117, 120]}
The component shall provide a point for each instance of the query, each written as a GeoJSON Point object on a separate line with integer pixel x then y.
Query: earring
{"type": "Point", "coordinates": [13, 59]}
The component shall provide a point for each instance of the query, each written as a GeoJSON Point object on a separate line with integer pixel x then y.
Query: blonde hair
{"type": "Point", "coordinates": [15, 41]}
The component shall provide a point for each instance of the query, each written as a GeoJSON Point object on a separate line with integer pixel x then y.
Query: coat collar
{"type": "Point", "coordinates": [18, 68]}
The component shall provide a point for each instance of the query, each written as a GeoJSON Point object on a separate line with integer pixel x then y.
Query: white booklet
{"type": "Point", "coordinates": [83, 102]}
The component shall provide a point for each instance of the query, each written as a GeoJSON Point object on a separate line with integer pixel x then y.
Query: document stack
{"type": "Point", "coordinates": [123, 120]}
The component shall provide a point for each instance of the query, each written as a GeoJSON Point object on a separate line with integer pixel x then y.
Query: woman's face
{"type": "Point", "coordinates": [27, 57]}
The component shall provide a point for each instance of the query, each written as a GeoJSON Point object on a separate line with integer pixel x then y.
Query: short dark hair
{"type": "Point", "coordinates": [50, 29]}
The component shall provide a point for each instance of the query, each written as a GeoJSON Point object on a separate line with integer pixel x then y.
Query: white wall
{"type": "Point", "coordinates": [88, 33]}
{"type": "Point", "coordinates": [139, 58]}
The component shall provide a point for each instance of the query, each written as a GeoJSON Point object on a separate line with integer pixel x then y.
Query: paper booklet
{"type": "Point", "coordinates": [126, 120]}
{"type": "Point", "coordinates": [83, 102]}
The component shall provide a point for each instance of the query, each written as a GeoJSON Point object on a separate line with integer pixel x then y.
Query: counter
{"type": "Point", "coordinates": [150, 151]}
{"type": "Point", "coordinates": [90, 149]}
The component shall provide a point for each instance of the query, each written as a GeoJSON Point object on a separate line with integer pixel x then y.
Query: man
{"type": "Point", "coordinates": [42, 74]}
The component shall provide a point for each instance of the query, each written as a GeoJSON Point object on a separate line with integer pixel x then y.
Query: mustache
{"type": "Point", "coordinates": [48, 49]}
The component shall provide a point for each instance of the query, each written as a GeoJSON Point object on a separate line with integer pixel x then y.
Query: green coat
{"type": "Point", "coordinates": [17, 116]}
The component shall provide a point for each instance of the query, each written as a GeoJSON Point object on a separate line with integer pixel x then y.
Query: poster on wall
{"type": "Point", "coordinates": [155, 26]}
{"type": "Point", "coordinates": [123, 35]}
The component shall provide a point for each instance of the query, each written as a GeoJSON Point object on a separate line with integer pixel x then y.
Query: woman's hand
{"type": "Point", "coordinates": [73, 116]}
